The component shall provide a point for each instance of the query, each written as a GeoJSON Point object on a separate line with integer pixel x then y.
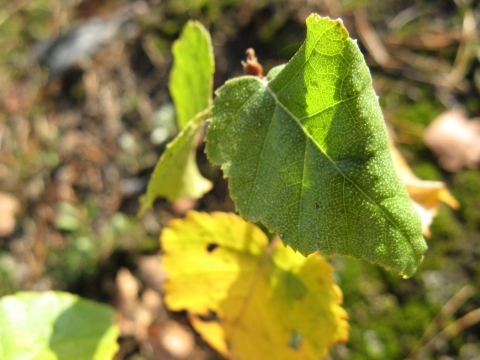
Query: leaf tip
{"type": "Point", "coordinates": [145, 204]}
{"type": "Point", "coordinates": [410, 270]}
{"type": "Point", "coordinates": [337, 23]}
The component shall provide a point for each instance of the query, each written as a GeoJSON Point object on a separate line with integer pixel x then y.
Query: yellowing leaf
{"type": "Point", "coordinates": [426, 195]}
{"type": "Point", "coordinates": [268, 301]}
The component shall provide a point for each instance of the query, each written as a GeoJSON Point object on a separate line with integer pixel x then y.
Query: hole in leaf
{"type": "Point", "coordinates": [295, 340]}
{"type": "Point", "coordinates": [317, 206]}
{"type": "Point", "coordinates": [211, 247]}
{"type": "Point", "coordinates": [211, 316]}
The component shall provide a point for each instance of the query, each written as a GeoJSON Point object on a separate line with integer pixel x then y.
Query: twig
{"type": "Point", "coordinates": [372, 42]}
{"type": "Point", "coordinates": [404, 17]}
{"type": "Point", "coordinates": [452, 330]}
{"type": "Point", "coordinates": [447, 310]}
{"type": "Point", "coordinates": [466, 51]}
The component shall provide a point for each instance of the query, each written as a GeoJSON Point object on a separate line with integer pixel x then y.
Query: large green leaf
{"type": "Point", "coordinates": [176, 174]}
{"type": "Point", "coordinates": [307, 154]}
{"type": "Point", "coordinates": [55, 325]}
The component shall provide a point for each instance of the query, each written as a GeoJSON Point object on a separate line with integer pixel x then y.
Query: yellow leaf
{"type": "Point", "coordinates": [426, 195]}
{"type": "Point", "coordinates": [248, 299]}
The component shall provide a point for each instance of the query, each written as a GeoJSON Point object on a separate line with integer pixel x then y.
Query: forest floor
{"type": "Point", "coordinates": [84, 118]}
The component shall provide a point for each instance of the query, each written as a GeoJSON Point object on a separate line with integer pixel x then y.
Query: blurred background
{"type": "Point", "coordinates": [85, 114]}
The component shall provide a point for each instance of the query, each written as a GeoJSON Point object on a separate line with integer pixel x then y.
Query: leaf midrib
{"type": "Point", "coordinates": [309, 136]}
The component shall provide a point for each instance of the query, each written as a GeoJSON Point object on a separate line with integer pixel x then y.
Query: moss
{"type": "Point", "coordinates": [387, 314]}
{"type": "Point", "coordinates": [466, 190]}
{"type": "Point", "coordinates": [426, 171]}
{"type": "Point", "coordinates": [421, 112]}
{"type": "Point", "coordinates": [447, 240]}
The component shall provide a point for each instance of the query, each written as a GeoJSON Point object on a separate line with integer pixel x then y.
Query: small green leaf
{"type": "Point", "coordinates": [56, 325]}
{"type": "Point", "coordinates": [176, 174]}
{"type": "Point", "coordinates": [191, 80]}
{"type": "Point", "coordinates": [68, 217]}
{"type": "Point", "coordinates": [307, 154]}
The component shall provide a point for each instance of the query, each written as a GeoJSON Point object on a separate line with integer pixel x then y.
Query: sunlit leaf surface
{"type": "Point", "coordinates": [307, 154]}
{"type": "Point", "coordinates": [56, 325]}
{"type": "Point", "coordinates": [176, 174]}
{"type": "Point", "coordinates": [247, 299]}
{"type": "Point", "coordinates": [191, 82]}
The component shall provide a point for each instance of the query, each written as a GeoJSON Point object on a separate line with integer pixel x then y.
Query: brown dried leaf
{"type": "Point", "coordinates": [426, 195]}
{"type": "Point", "coordinates": [127, 287]}
{"type": "Point", "coordinates": [136, 314]}
{"type": "Point", "coordinates": [127, 301]}
{"type": "Point", "coordinates": [455, 140]}
{"type": "Point", "coordinates": [150, 273]}
{"type": "Point", "coordinates": [9, 206]}
{"type": "Point", "coordinates": [178, 340]}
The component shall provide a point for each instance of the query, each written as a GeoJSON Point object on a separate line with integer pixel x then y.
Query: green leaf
{"type": "Point", "coordinates": [307, 154]}
{"type": "Point", "coordinates": [191, 80]}
{"type": "Point", "coordinates": [56, 325]}
{"type": "Point", "coordinates": [176, 174]}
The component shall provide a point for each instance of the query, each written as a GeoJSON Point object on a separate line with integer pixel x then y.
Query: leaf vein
{"type": "Point", "coordinates": [328, 107]}
{"type": "Point", "coordinates": [303, 185]}
{"type": "Point", "coordinates": [314, 48]}
{"type": "Point", "coordinates": [279, 103]}
{"type": "Point", "coordinates": [259, 162]}
{"type": "Point", "coordinates": [235, 117]}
